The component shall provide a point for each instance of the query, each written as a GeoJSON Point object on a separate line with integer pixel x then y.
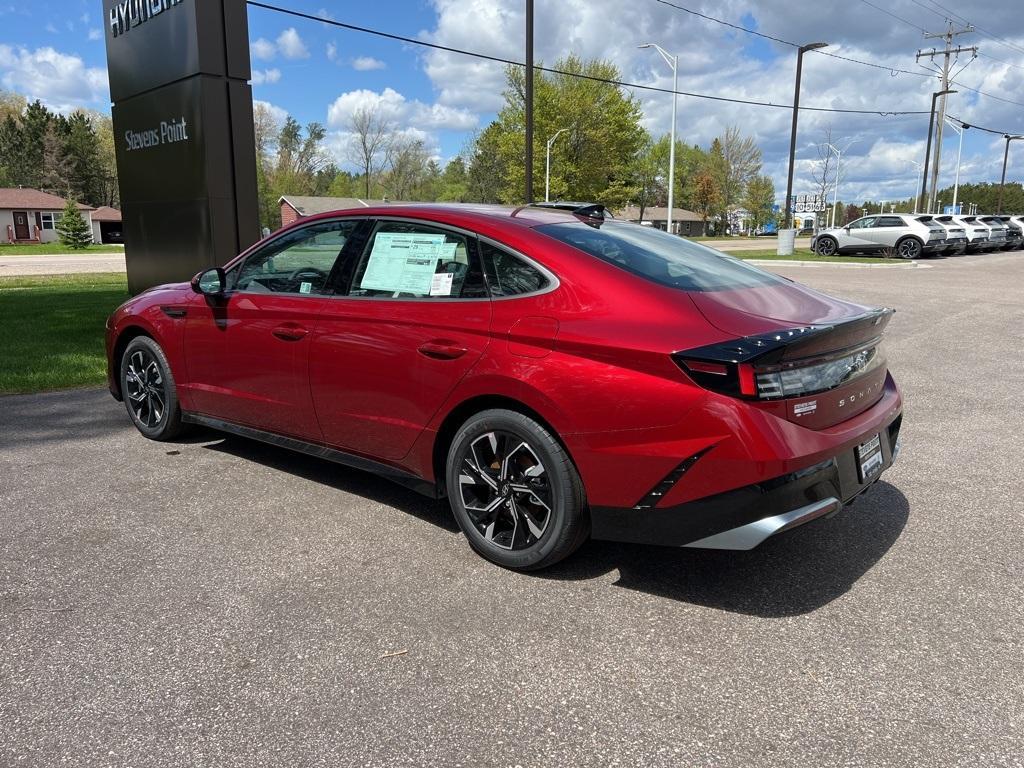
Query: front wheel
{"type": "Point", "coordinates": [827, 246]}
{"type": "Point", "coordinates": [147, 387]}
{"type": "Point", "coordinates": [515, 492]}
{"type": "Point", "coordinates": [908, 248]}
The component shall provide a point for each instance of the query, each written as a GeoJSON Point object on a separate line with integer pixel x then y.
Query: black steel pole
{"type": "Point", "coordinates": [792, 140]}
{"type": "Point", "coordinates": [927, 153]}
{"type": "Point", "coordinates": [1002, 181]}
{"type": "Point", "coordinates": [529, 101]}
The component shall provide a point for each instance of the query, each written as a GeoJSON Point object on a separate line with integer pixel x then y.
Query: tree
{"type": "Point", "coordinates": [486, 175]}
{"type": "Point", "coordinates": [454, 183]}
{"type": "Point", "coordinates": [707, 196]}
{"type": "Point", "coordinates": [647, 175]}
{"type": "Point", "coordinates": [371, 137]}
{"type": "Point", "coordinates": [408, 170]}
{"type": "Point", "coordinates": [741, 162]}
{"type": "Point", "coordinates": [823, 172]}
{"type": "Point", "coordinates": [592, 160]}
{"type": "Point", "coordinates": [73, 229]}
{"type": "Point", "coordinates": [760, 200]}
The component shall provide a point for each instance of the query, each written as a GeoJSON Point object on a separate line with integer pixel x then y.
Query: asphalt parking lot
{"type": "Point", "coordinates": [217, 602]}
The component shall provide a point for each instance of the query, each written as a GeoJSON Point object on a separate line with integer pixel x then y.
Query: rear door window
{"type": "Point", "coordinates": [660, 257]}
{"type": "Point", "coordinates": [410, 260]}
{"type": "Point", "coordinates": [508, 275]}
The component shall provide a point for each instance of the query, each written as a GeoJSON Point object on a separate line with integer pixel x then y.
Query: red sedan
{"type": "Point", "coordinates": [557, 375]}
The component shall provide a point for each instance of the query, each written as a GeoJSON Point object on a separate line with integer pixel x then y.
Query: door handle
{"type": "Point", "coordinates": [290, 332]}
{"type": "Point", "coordinates": [442, 350]}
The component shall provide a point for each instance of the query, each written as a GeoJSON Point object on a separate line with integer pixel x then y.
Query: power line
{"type": "Point", "coordinates": [980, 128]}
{"type": "Point", "coordinates": [891, 70]}
{"type": "Point", "coordinates": [620, 83]}
{"type": "Point", "coordinates": [982, 30]}
{"type": "Point", "coordinates": [893, 15]}
{"type": "Point", "coordinates": [1001, 61]}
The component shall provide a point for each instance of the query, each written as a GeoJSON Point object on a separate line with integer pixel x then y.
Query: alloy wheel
{"type": "Point", "coordinates": [826, 246]}
{"type": "Point", "coordinates": [145, 388]}
{"type": "Point", "coordinates": [505, 489]}
{"type": "Point", "coordinates": [909, 249]}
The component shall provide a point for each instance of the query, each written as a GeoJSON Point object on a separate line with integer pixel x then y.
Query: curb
{"type": "Point", "coordinates": [840, 264]}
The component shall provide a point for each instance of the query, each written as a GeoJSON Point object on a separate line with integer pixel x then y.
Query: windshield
{"type": "Point", "coordinates": [660, 257]}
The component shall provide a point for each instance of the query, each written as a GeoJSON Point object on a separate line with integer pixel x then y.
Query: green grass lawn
{"type": "Point", "coordinates": [805, 254]}
{"type": "Point", "coordinates": [52, 334]}
{"type": "Point", "coordinates": [34, 249]}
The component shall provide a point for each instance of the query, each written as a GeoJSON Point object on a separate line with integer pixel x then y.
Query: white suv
{"type": "Point", "coordinates": [908, 235]}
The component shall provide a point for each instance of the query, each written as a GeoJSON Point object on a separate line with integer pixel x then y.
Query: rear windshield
{"type": "Point", "coordinates": [660, 257]}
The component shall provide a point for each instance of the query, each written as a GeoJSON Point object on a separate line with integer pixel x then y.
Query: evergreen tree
{"type": "Point", "coordinates": [73, 229]}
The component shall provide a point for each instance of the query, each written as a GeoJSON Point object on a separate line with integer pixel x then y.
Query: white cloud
{"type": "Point", "coordinates": [84, 18]}
{"type": "Point", "coordinates": [390, 103]}
{"type": "Point", "coordinates": [279, 114]}
{"type": "Point", "coordinates": [95, 34]}
{"type": "Point", "coordinates": [265, 77]}
{"type": "Point", "coordinates": [291, 46]}
{"type": "Point", "coordinates": [332, 51]}
{"type": "Point", "coordinates": [714, 59]}
{"type": "Point", "coordinates": [367, 63]}
{"type": "Point", "coordinates": [409, 119]}
{"type": "Point", "coordinates": [60, 80]}
{"type": "Point", "coordinates": [50, 28]}
{"type": "Point", "coordinates": [263, 49]}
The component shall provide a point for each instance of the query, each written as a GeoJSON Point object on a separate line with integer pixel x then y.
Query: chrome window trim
{"type": "Point", "coordinates": [552, 278]}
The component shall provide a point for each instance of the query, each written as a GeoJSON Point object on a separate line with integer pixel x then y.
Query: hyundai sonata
{"type": "Point", "coordinates": [556, 375]}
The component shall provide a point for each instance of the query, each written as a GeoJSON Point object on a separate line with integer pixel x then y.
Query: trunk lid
{"type": "Point", "coordinates": [805, 356]}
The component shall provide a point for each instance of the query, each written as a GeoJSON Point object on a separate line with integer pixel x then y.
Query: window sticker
{"type": "Point", "coordinates": [305, 287]}
{"type": "Point", "coordinates": [405, 261]}
{"type": "Point", "coordinates": [441, 284]}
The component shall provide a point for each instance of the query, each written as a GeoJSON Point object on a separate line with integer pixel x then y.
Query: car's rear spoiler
{"type": "Point", "coordinates": [797, 343]}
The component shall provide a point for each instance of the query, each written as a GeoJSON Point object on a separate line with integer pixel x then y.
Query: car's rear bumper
{"type": "Point", "coordinates": [744, 517]}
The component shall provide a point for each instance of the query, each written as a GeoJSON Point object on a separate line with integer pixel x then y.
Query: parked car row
{"type": "Point", "coordinates": [911, 235]}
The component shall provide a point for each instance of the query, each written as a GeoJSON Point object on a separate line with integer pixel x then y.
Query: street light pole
{"type": "Point", "coordinates": [792, 134]}
{"type": "Point", "coordinates": [1002, 181]}
{"type": "Point", "coordinates": [547, 166]}
{"type": "Point", "coordinates": [672, 61]}
{"type": "Point", "coordinates": [959, 128]}
{"type": "Point", "coordinates": [928, 149]}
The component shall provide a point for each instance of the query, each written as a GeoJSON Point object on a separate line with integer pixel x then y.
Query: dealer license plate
{"type": "Point", "coordinates": [869, 458]}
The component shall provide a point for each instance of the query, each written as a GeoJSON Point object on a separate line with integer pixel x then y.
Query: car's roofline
{"type": "Point", "coordinates": [523, 216]}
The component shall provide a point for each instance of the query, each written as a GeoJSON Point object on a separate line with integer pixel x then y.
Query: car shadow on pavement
{"type": "Point", "coordinates": [347, 479]}
{"type": "Point", "coordinates": [795, 573]}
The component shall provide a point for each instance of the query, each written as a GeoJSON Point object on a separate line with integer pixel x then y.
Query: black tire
{"type": "Point", "coordinates": [511, 512]}
{"type": "Point", "coordinates": [148, 389]}
{"type": "Point", "coordinates": [909, 248]}
{"type": "Point", "coordinates": [827, 246]}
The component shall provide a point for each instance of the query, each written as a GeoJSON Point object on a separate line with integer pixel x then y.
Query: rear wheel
{"type": "Point", "coordinates": [148, 390]}
{"type": "Point", "coordinates": [515, 492]}
{"type": "Point", "coordinates": [827, 246]}
{"type": "Point", "coordinates": [908, 248]}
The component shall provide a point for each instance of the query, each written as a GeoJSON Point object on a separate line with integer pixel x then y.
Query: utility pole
{"type": "Point", "coordinates": [529, 102]}
{"type": "Point", "coordinates": [940, 121]}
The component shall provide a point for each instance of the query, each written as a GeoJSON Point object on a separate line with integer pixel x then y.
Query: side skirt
{"type": "Point", "coordinates": [407, 479]}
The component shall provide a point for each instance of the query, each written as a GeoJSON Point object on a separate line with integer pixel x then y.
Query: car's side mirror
{"type": "Point", "coordinates": [212, 282]}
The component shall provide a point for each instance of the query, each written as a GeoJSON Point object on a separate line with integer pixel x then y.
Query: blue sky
{"type": "Point", "coordinates": [54, 50]}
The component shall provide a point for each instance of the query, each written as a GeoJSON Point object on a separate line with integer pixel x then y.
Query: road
{"type": "Point", "coordinates": [217, 602]}
{"type": "Point", "coordinates": [61, 264]}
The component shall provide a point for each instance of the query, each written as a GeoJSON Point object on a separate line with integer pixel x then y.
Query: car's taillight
{"type": "Point", "coordinates": [796, 379]}
{"type": "Point", "coordinates": [758, 368]}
